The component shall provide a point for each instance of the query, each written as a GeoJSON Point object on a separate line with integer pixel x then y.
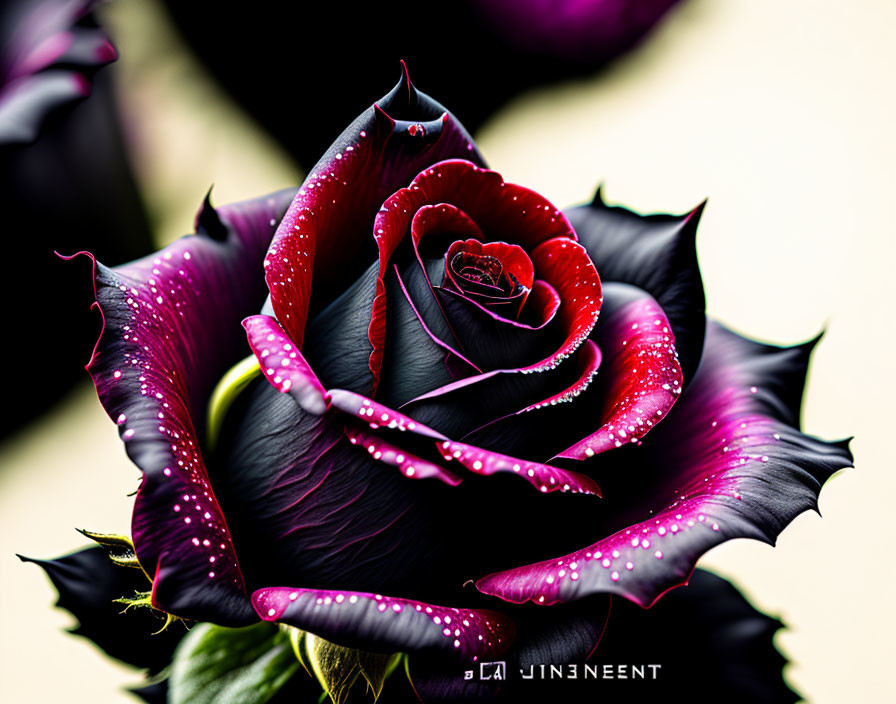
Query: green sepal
{"type": "Point", "coordinates": [335, 667]}
{"type": "Point", "coordinates": [297, 640]}
{"type": "Point", "coordinates": [338, 668]}
{"type": "Point", "coordinates": [119, 548]}
{"type": "Point", "coordinates": [376, 668]}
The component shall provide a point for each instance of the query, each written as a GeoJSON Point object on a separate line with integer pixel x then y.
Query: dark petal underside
{"type": "Point", "coordinates": [655, 253]}
{"type": "Point", "coordinates": [88, 583]}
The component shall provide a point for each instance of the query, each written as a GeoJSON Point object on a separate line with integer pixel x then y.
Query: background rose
{"type": "Point", "coordinates": [742, 438]}
{"type": "Point", "coordinates": [61, 160]}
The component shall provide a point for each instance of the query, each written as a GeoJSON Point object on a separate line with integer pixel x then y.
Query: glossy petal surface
{"type": "Point", "coordinates": [656, 253]}
{"type": "Point", "coordinates": [327, 225]}
{"type": "Point", "coordinates": [171, 330]}
{"type": "Point", "coordinates": [384, 623]}
{"type": "Point", "coordinates": [726, 463]}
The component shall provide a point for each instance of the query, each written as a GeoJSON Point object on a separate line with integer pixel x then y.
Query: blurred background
{"type": "Point", "coordinates": [780, 113]}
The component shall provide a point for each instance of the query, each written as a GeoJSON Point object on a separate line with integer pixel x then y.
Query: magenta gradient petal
{"type": "Point", "coordinates": [49, 51]}
{"type": "Point", "coordinates": [385, 623]}
{"type": "Point", "coordinates": [410, 465]}
{"type": "Point", "coordinates": [502, 211]}
{"type": "Point", "coordinates": [283, 365]}
{"type": "Point", "coordinates": [543, 477]}
{"type": "Point", "coordinates": [589, 361]}
{"type": "Point", "coordinates": [329, 221]}
{"type": "Point", "coordinates": [376, 414]}
{"type": "Point", "coordinates": [642, 378]}
{"type": "Point", "coordinates": [727, 463]}
{"type": "Point", "coordinates": [171, 329]}
{"type": "Point", "coordinates": [564, 635]}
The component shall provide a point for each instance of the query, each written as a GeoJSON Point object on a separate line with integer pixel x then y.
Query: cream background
{"type": "Point", "coordinates": [781, 113]}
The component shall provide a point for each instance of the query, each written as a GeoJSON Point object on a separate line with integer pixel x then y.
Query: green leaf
{"type": "Point", "coordinates": [217, 665]}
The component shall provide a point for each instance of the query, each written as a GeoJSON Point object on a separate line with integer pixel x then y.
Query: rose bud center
{"type": "Point", "coordinates": [478, 268]}
{"type": "Point", "coordinates": [496, 275]}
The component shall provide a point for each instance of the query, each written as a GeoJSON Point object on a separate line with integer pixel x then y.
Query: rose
{"type": "Point", "coordinates": [422, 399]}
{"type": "Point", "coordinates": [49, 50]}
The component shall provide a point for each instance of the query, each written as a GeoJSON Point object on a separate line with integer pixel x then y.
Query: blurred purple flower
{"type": "Point", "coordinates": [578, 30]}
{"type": "Point", "coordinates": [49, 50]}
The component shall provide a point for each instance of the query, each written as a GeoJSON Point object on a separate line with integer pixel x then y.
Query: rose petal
{"type": "Point", "coordinates": [565, 265]}
{"type": "Point", "coordinates": [336, 344]}
{"type": "Point", "coordinates": [722, 642]}
{"type": "Point", "coordinates": [542, 304]}
{"type": "Point", "coordinates": [656, 253]}
{"type": "Point", "coordinates": [171, 330]}
{"type": "Point", "coordinates": [564, 635]}
{"type": "Point", "coordinates": [642, 378]}
{"type": "Point", "coordinates": [304, 505]}
{"type": "Point", "coordinates": [283, 365]}
{"type": "Point", "coordinates": [373, 157]}
{"type": "Point", "coordinates": [725, 464]}
{"type": "Point", "coordinates": [489, 409]}
{"type": "Point", "coordinates": [411, 466]}
{"type": "Point", "coordinates": [502, 211]}
{"type": "Point", "coordinates": [516, 276]}
{"type": "Point", "coordinates": [372, 411]}
{"type": "Point", "coordinates": [384, 623]}
{"type": "Point", "coordinates": [543, 477]}
{"type": "Point", "coordinates": [417, 358]}
{"type": "Point", "coordinates": [475, 340]}
{"type": "Point", "coordinates": [589, 360]}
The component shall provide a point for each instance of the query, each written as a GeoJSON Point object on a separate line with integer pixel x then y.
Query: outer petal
{"type": "Point", "coordinates": [723, 647]}
{"type": "Point", "coordinates": [727, 463]}
{"type": "Point", "coordinates": [703, 642]}
{"type": "Point", "coordinates": [383, 623]}
{"type": "Point", "coordinates": [88, 583]}
{"type": "Point", "coordinates": [171, 330]}
{"type": "Point", "coordinates": [655, 253]}
{"type": "Point", "coordinates": [306, 506]}
{"type": "Point", "coordinates": [642, 378]}
{"type": "Point", "coordinates": [334, 209]}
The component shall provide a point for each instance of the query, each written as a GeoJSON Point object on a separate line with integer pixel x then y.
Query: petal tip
{"type": "Point", "coordinates": [208, 222]}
